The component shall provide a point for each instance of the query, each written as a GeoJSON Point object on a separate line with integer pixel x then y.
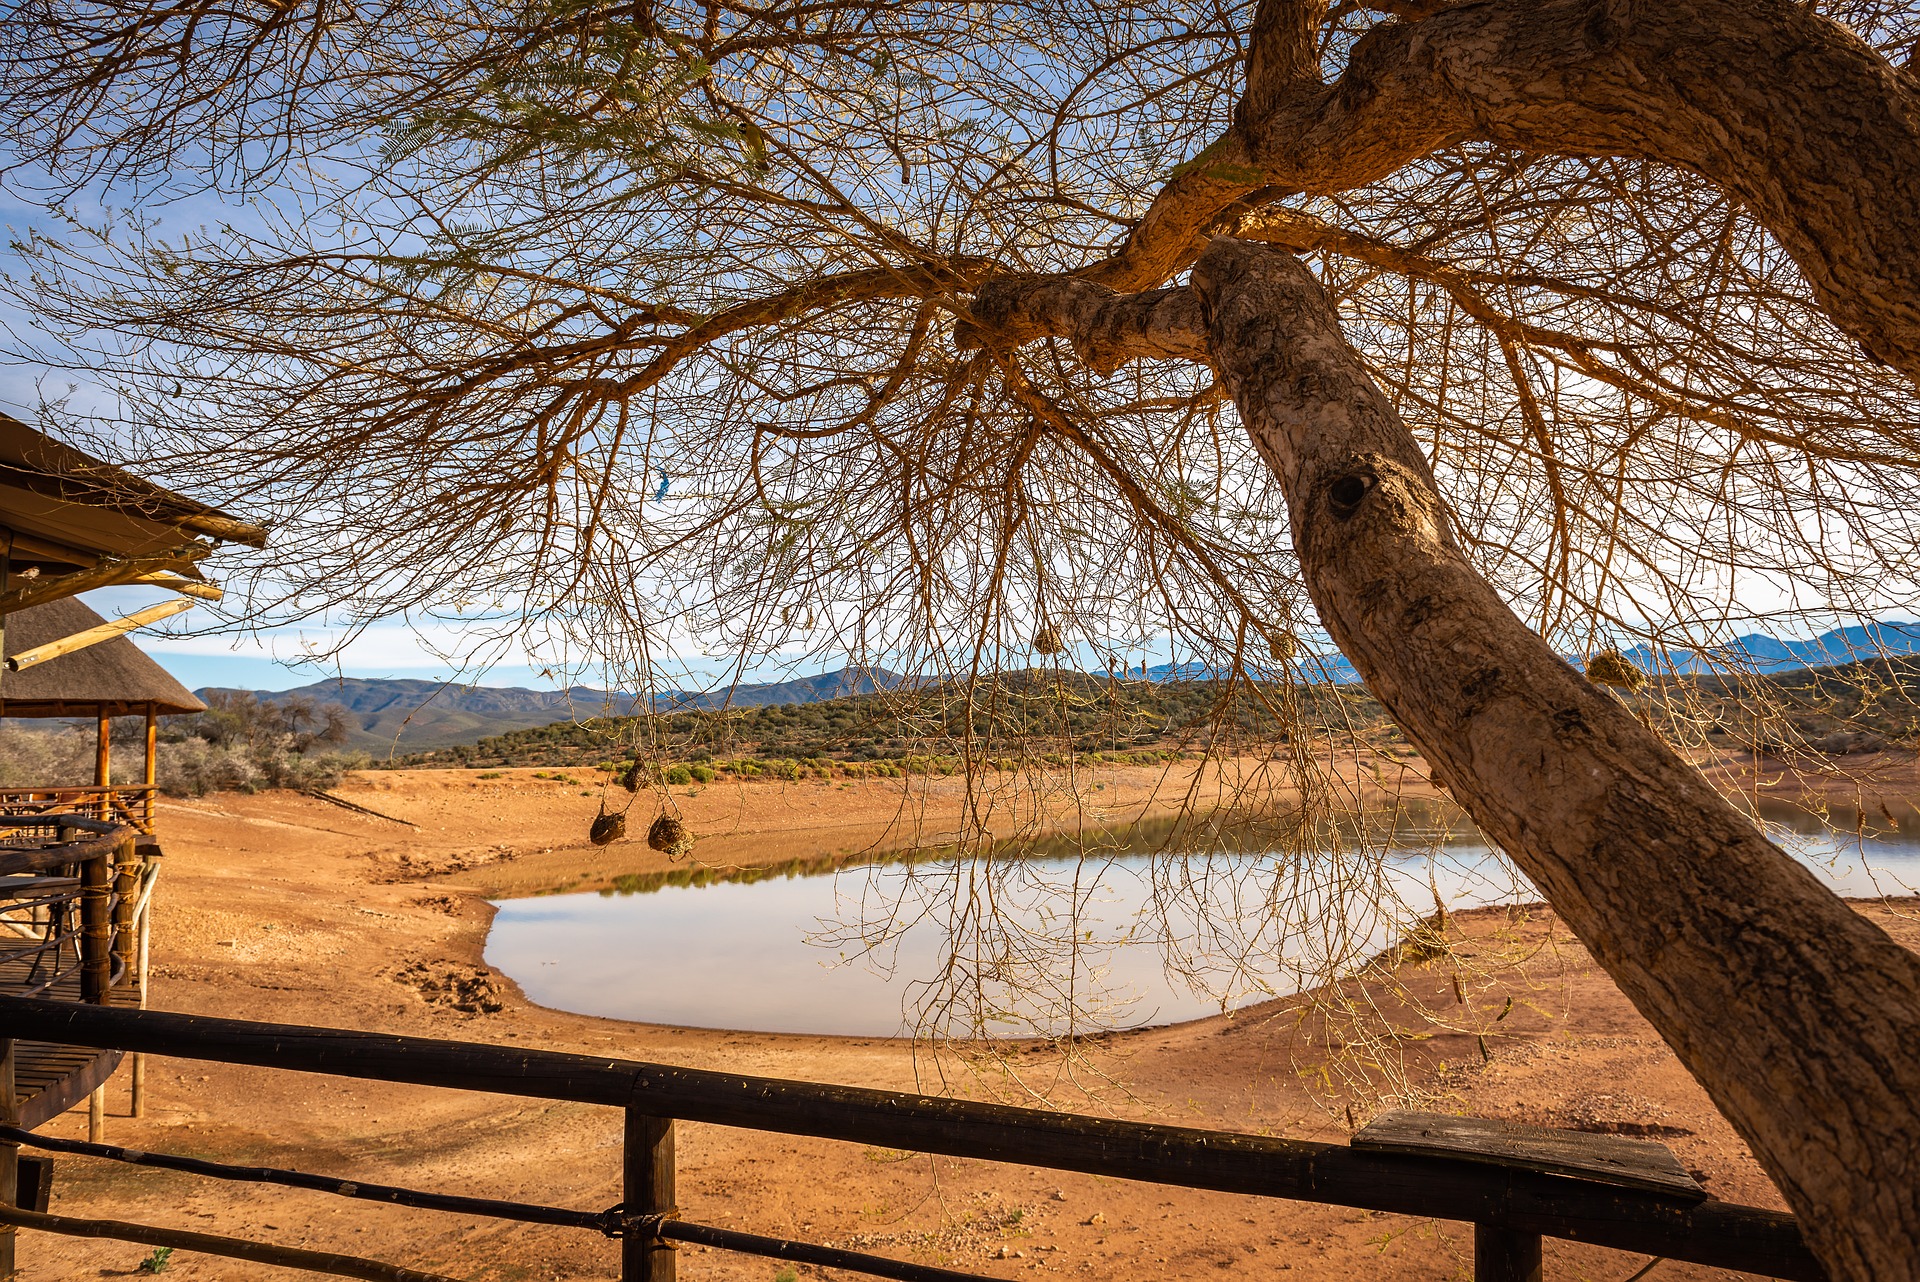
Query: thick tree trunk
{"type": "Point", "coordinates": [1800, 1018]}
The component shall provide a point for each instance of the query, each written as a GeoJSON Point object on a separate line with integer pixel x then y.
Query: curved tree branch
{"type": "Point", "coordinates": [1784, 109]}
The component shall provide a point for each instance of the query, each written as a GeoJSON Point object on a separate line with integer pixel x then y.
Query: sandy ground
{"type": "Point", "coordinates": [284, 908]}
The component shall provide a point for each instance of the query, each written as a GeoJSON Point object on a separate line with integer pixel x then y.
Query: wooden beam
{"type": "Point", "coordinates": [135, 497]}
{"type": "Point", "coordinates": [224, 528]}
{"type": "Point", "coordinates": [185, 587]}
{"type": "Point", "coordinates": [1611, 1159]}
{"type": "Point", "coordinates": [94, 636]}
{"type": "Point", "coordinates": [53, 587]}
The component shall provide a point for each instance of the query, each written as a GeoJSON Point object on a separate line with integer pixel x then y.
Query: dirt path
{"type": "Point", "coordinates": [280, 907]}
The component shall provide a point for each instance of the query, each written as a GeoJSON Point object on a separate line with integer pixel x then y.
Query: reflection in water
{"type": "Point", "coordinates": [1100, 930]}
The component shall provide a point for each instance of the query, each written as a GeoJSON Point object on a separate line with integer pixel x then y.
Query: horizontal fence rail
{"type": "Point", "coordinates": [1499, 1200]}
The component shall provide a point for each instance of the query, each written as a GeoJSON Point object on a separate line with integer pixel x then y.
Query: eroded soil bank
{"type": "Point", "coordinates": [280, 907]}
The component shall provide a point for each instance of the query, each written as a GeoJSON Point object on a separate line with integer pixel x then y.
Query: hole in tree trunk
{"type": "Point", "coordinates": [1346, 492]}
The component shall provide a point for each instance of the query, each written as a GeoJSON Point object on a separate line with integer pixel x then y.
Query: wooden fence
{"type": "Point", "coordinates": [1511, 1207]}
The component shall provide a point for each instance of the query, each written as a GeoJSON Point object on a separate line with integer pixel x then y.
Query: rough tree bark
{"type": "Point", "coordinates": [1800, 1018]}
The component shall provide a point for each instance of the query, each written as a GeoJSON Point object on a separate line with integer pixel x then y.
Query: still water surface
{"type": "Point", "coordinates": [784, 952]}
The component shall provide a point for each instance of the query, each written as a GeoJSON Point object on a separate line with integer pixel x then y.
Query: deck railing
{"type": "Point", "coordinates": [1510, 1207]}
{"type": "Point", "coordinates": [74, 922]}
{"type": "Point", "coordinates": [116, 803]}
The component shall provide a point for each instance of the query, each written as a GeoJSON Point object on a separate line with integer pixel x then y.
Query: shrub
{"type": "Point", "coordinates": [241, 743]}
{"type": "Point", "coordinates": [701, 774]}
{"type": "Point", "coordinates": [194, 767]}
{"type": "Point", "coordinates": [679, 775]}
{"type": "Point", "coordinates": [61, 758]}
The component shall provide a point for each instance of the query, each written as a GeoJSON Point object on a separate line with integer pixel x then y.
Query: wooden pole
{"type": "Point", "coordinates": [103, 763]}
{"type": "Point", "coordinates": [151, 775]}
{"type": "Point", "coordinates": [648, 1190]}
{"type": "Point", "coordinates": [9, 1158]}
{"type": "Point", "coordinates": [1502, 1255]}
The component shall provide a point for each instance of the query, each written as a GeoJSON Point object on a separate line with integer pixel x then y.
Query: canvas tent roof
{"type": "Point", "coordinates": [70, 523]}
{"type": "Point", "coordinates": [111, 678]}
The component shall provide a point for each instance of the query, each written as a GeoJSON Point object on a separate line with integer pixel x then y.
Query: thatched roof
{"type": "Point", "coordinates": [112, 677]}
{"type": "Point", "coordinates": [70, 523]}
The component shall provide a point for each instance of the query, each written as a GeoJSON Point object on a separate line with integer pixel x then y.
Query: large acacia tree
{"type": "Point", "coordinates": [920, 328]}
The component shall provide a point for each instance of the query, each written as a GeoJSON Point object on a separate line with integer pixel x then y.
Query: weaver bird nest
{"type": "Point", "coordinates": [1047, 640]}
{"type": "Point", "coordinates": [631, 780]}
{"type": "Point", "coordinates": [607, 829]}
{"type": "Point", "coordinates": [1611, 668]}
{"type": "Point", "coordinates": [670, 835]}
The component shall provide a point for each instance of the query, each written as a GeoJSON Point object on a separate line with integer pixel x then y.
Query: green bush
{"type": "Point", "coordinates": [679, 775]}
{"type": "Point", "coordinates": [701, 774]}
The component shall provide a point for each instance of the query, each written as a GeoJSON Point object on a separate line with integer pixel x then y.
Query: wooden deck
{"type": "Point", "coordinates": [49, 1078]}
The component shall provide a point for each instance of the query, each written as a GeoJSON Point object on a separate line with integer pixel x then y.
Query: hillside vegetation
{"type": "Point", "coordinates": [1023, 715]}
{"type": "Point", "coordinates": [1849, 708]}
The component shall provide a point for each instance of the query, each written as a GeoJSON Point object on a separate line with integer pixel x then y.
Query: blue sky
{"type": "Point", "coordinates": [270, 659]}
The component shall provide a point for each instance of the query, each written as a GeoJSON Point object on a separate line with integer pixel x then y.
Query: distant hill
{"type": "Point", "coordinates": [1757, 652]}
{"type": "Point", "coordinates": [415, 716]}
{"type": "Point", "coordinates": [411, 716]}
{"type": "Point", "coordinates": [1754, 652]}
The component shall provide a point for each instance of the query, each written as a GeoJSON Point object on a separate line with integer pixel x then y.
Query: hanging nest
{"type": "Point", "coordinates": [1611, 668]}
{"type": "Point", "coordinates": [670, 835]}
{"type": "Point", "coordinates": [607, 829]}
{"type": "Point", "coordinates": [631, 779]}
{"type": "Point", "coordinates": [1047, 640]}
{"type": "Point", "coordinates": [1280, 647]}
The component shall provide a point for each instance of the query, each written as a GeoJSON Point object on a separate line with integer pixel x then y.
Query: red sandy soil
{"type": "Point", "coordinates": [281, 907]}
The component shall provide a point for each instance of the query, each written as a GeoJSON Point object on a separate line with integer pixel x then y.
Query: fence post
{"type": "Point", "coordinates": [96, 962]}
{"type": "Point", "coordinates": [647, 1190]}
{"type": "Point", "coordinates": [143, 936]}
{"type": "Point", "coordinates": [9, 1158]}
{"type": "Point", "coordinates": [126, 892]}
{"type": "Point", "coordinates": [1502, 1255]}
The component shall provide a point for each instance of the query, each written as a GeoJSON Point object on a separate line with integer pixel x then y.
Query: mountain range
{"type": "Point", "coordinates": [413, 716]}
{"type": "Point", "coordinates": [1754, 652]}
